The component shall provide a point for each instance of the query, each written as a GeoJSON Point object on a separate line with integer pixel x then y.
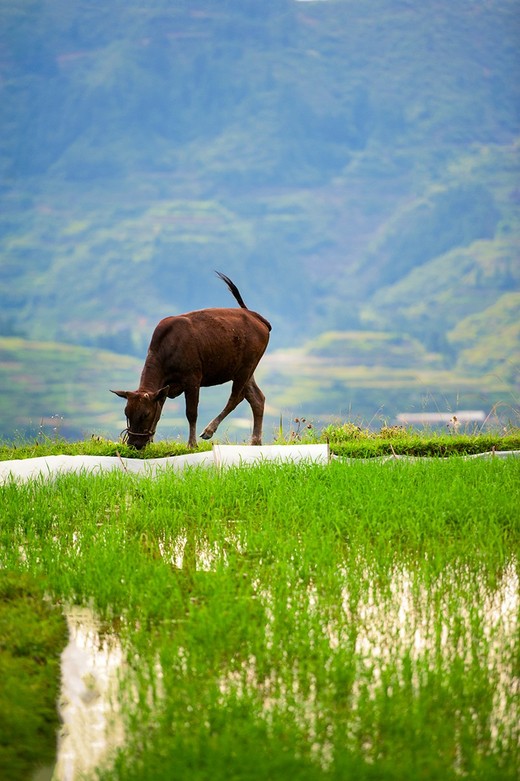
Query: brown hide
{"type": "Point", "coordinates": [202, 348]}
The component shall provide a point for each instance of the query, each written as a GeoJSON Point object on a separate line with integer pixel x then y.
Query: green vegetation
{"type": "Point", "coordinates": [32, 635]}
{"type": "Point", "coordinates": [354, 168]}
{"type": "Point", "coordinates": [352, 441]}
{"type": "Point", "coordinates": [346, 439]}
{"type": "Point", "coordinates": [356, 620]}
{"type": "Point", "coordinates": [96, 446]}
{"type": "Point", "coordinates": [55, 390]}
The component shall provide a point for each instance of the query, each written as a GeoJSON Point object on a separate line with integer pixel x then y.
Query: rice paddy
{"type": "Point", "coordinates": [358, 620]}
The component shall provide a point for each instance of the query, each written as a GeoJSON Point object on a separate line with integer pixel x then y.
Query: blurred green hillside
{"type": "Point", "coordinates": [352, 166]}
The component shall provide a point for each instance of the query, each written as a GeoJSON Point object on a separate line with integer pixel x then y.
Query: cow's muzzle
{"type": "Point", "coordinates": [141, 438]}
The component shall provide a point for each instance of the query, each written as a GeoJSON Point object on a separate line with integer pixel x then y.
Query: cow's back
{"type": "Point", "coordinates": [216, 344]}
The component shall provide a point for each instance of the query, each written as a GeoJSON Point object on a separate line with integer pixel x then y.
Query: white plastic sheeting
{"type": "Point", "coordinates": [221, 456]}
{"type": "Point", "coordinates": [240, 455]}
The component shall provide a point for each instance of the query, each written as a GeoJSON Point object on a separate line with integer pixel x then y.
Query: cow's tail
{"type": "Point", "coordinates": [233, 288]}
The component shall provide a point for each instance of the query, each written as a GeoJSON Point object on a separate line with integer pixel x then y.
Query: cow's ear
{"type": "Point", "coordinates": [122, 394]}
{"type": "Point", "coordinates": [161, 394]}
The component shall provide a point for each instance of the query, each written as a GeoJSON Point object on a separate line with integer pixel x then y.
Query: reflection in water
{"type": "Point", "coordinates": [405, 624]}
{"type": "Point", "coordinates": [186, 553]}
{"type": "Point", "coordinates": [406, 627]}
{"type": "Point", "coordinates": [92, 666]}
{"type": "Point", "coordinates": [455, 619]}
{"type": "Point", "coordinates": [92, 722]}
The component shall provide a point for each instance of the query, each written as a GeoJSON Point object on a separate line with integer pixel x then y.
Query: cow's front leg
{"type": "Point", "coordinates": [192, 404]}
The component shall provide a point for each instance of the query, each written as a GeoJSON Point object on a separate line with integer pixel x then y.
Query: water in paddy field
{"type": "Point", "coordinates": [92, 725]}
{"type": "Point", "coordinates": [404, 623]}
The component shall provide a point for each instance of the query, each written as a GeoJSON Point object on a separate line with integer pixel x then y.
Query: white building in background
{"type": "Point", "coordinates": [450, 419]}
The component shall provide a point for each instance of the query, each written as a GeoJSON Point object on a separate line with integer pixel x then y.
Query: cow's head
{"type": "Point", "coordinates": [143, 410]}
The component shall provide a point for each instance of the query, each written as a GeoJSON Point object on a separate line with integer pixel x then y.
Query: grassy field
{"type": "Point", "coordinates": [351, 621]}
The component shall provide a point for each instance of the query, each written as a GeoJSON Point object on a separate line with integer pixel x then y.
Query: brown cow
{"type": "Point", "coordinates": [207, 347]}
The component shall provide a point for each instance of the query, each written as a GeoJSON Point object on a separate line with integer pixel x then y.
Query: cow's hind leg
{"type": "Point", "coordinates": [256, 399]}
{"type": "Point", "coordinates": [237, 395]}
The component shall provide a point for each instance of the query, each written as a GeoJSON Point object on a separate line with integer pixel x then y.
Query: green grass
{"type": "Point", "coordinates": [347, 439]}
{"type": "Point", "coordinates": [96, 446]}
{"type": "Point", "coordinates": [352, 621]}
{"type": "Point", "coordinates": [354, 442]}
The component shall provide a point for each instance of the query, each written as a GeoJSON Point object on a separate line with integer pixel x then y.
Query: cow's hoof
{"type": "Point", "coordinates": [206, 435]}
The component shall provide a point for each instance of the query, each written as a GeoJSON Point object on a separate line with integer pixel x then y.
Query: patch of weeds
{"type": "Point", "coordinates": [301, 431]}
{"type": "Point", "coordinates": [345, 432]}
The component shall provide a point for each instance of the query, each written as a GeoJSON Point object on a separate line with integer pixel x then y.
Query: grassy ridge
{"type": "Point", "coordinates": [309, 622]}
{"type": "Point", "coordinates": [347, 440]}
